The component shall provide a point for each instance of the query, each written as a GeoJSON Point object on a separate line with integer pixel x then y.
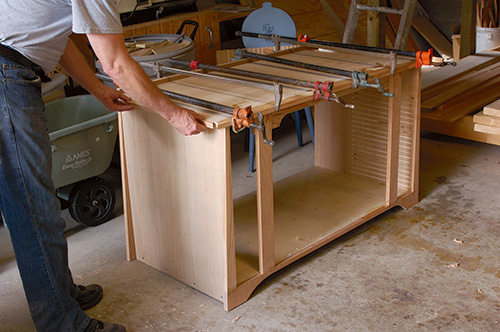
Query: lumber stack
{"type": "Point", "coordinates": [463, 100]}
{"type": "Point", "coordinates": [473, 86]}
{"type": "Point", "coordinates": [488, 120]}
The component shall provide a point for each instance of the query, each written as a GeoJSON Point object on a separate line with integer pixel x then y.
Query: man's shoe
{"type": "Point", "coordinates": [98, 326]}
{"type": "Point", "coordinates": [88, 296]}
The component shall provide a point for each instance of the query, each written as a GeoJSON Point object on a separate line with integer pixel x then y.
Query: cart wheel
{"type": "Point", "coordinates": [92, 202]}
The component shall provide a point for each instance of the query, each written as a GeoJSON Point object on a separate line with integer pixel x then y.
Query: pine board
{"type": "Point", "coordinates": [471, 63]}
{"type": "Point", "coordinates": [487, 129]}
{"type": "Point", "coordinates": [493, 109]}
{"type": "Point", "coordinates": [488, 120]}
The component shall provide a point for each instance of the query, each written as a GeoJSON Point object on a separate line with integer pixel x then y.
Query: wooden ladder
{"type": "Point", "coordinates": [404, 25]}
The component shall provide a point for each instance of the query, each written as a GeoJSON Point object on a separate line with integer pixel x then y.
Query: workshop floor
{"type": "Point", "coordinates": [434, 267]}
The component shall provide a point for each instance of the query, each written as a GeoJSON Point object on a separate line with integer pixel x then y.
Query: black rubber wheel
{"type": "Point", "coordinates": [91, 202]}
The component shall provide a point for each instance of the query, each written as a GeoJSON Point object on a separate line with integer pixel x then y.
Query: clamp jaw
{"type": "Point", "coordinates": [243, 118]}
{"type": "Point", "coordinates": [360, 78]}
{"type": "Point", "coordinates": [323, 91]}
{"type": "Point", "coordinates": [424, 58]}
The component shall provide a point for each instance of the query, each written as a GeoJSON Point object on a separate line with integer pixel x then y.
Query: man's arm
{"type": "Point", "coordinates": [73, 62]}
{"type": "Point", "coordinates": [129, 75]}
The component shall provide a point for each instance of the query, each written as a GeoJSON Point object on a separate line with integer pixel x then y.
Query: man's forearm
{"type": "Point", "coordinates": [129, 75]}
{"type": "Point", "coordinates": [73, 62]}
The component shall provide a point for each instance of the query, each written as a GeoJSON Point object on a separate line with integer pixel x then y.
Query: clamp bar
{"type": "Point", "coordinates": [358, 78]}
{"type": "Point", "coordinates": [276, 88]}
{"type": "Point", "coordinates": [160, 68]}
{"type": "Point", "coordinates": [245, 73]}
{"type": "Point", "coordinates": [321, 88]}
{"type": "Point", "coordinates": [242, 117]}
{"type": "Point", "coordinates": [323, 69]}
{"type": "Point", "coordinates": [427, 55]}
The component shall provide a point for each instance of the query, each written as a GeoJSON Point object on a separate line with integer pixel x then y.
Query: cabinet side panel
{"type": "Point", "coordinates": [409, 132]}
{"type": "Point", "coordinates": [180, 189]}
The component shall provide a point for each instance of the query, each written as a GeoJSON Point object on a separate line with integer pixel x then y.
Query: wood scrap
{"type": "Point", "coordinates": [435, 37]}
{"type": "Point", "coordinates": [487, 14]}
{"type": "Point", "coordinates": [137, 49]}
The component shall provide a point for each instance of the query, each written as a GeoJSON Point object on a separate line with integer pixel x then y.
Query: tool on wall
{"type": "Point", "coordinates": [242, 117]}
{"type": "Point", "coordinates": [421, 57]}
{"type": "Point", "coordinates": [359, 78]}
{"type": "Point", "coordinates": [322, 90]}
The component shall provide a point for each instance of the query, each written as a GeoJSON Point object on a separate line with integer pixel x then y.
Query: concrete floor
{"type": "Point", "coordinates": [433, 267]}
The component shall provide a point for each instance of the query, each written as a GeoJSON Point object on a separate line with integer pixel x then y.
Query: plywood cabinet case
{"type": "Point", "coordinates": [181, 216]}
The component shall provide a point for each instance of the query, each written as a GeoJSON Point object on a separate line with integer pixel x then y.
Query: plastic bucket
{"type": "Point", "coordinates": [83, 135]}
{"type": "Point", "coordinates": [487, 38]}
{"type": "Point", "coordinates": [54, 89]}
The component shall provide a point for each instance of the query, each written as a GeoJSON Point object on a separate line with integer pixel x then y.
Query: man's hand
{"type": "Point", "coordinates": [113, 99]}
{"type": "Point", "coordinates": [186, 121]}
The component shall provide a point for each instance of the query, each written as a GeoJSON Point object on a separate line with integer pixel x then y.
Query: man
{"type": "Point", "coordinates": [34, 37]}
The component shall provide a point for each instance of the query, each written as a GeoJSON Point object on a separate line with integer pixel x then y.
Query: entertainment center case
{"type": "Point", "coordinates": [180, 214]}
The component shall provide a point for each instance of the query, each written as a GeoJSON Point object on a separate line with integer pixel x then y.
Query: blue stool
{"type": "Point", "coordinates": [298, 127]}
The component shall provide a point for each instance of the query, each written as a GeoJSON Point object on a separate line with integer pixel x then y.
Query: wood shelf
{"type": "Point", "coordinates": [308, 207]}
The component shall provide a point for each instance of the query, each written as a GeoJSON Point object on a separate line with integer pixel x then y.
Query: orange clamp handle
{"type": "Point", "coordinates": [243, 117]}
{"type": "Point", "coordinates": [424, 58]}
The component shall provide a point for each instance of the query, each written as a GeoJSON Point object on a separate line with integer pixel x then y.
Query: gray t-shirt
{"type": "Point", "coordinates": [39, 29]}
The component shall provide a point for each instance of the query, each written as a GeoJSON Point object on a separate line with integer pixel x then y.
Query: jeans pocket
{"type": "Point", "coordinates": [18, 74]}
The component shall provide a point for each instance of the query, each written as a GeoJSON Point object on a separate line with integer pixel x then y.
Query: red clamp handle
{"type": "Point", "coordinates": [303, 38]}
{"type": "Point", "coordinates": [194, 64]}
{"type": "Point", "coordinates": [325, 87]}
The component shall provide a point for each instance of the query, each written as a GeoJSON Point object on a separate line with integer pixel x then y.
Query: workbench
{"type": "Point", "coordinates": [180, 214]}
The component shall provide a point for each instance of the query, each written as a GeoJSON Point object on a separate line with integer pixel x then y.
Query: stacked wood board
{"type": "Point", "coordinates": [488, 120]}
{"type": "Point", "coordinates": [453, 94]}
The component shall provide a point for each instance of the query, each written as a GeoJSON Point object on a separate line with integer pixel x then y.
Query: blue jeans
{"type": "Point", "coordinates": [31, 210]}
